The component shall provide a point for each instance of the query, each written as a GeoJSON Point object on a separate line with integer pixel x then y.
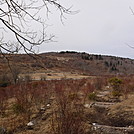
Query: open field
{"type": "Point", "coordinates": [54, 76]}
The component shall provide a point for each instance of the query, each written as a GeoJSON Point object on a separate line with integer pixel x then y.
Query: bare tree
{"type": "Point", "coordinates": [23, 25]}
{"type": "Point", "coordinates": [17, 18]}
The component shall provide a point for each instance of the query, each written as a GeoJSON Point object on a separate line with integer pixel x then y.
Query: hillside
{"type": "Point", "coordinates": [66, 93]}
{"type": "Point", "coordinates": [73, 62]}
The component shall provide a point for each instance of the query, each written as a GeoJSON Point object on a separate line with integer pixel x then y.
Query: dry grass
{"type": "Point", "coordinates": [76, 92]}
{"type": "Point", "coordinates": [122, 114]}
{"type": "Point", "coordinates": [126, 105]}
{"type": "Point", "coordinates": [60, 75]}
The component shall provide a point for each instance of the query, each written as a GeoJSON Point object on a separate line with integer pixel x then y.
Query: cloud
{"type": "Point", "coordinates": [101, 27]}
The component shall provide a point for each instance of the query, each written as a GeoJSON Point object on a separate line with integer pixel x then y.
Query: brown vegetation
{"type": "Point", "coordinates": [72, 62]}
{"type": "Point", "coordinates": [69, 105]}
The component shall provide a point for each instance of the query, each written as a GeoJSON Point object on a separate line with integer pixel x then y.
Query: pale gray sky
{"type": "Point", "coordinates": [101, 27]}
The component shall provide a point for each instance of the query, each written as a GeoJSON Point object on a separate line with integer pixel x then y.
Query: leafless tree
{"type": "Point", "coordinates": [23, 25]}
{"type": "Point", "coordinates": [25, 22]}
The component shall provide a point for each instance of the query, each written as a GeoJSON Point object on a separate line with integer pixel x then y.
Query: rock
{"type": "Point", "coordinates": [89, 105]}
{"type": "Point", "coordinates": [30, 123]}
{"type": "Point", "coordinates": [94, 124]}
{"type": "Point", "coordinates": [48, 105]}
{"type": "Point", "coordinates": [131, 126]}
{"type": "Point", "coordinates": [42, 109]}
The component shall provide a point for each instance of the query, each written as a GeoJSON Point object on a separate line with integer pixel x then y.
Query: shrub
{"type": "Point", "coordinates": [68, 118]}
{"type": "Point", "coordinates": [115, 83]}
{"type": "Point", "coordinates": [27, 78]}
{"type": "Point", "coordinates": [4, 83]}
{"type": "Point", "coordinates": [3, 101]}
{"type": "Point", "coordinates": [18, 108]}
{"type": "Point", "coordinates": [4, 80]}
{"type": "Point", "coordinates": [72, 96]}
{"type": "Point", "coordinates": [99, 83]}
{"type": "Point", "coordinates": [2, 130]}
{"type": "Point", "coordinates": [92, 96]}
{"type": "Point", "coordinates": [116, 93]}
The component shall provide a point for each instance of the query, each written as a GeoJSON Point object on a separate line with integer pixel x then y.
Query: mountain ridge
{"type": "Point", "coordinates": [71, 61]}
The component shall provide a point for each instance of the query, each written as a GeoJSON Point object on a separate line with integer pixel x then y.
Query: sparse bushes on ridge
{"type": "Point", "coordinates": [70, 52]}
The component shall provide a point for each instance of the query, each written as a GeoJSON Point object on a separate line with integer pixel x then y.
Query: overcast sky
{"type": "Point", "coordinates": [101, 27]}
